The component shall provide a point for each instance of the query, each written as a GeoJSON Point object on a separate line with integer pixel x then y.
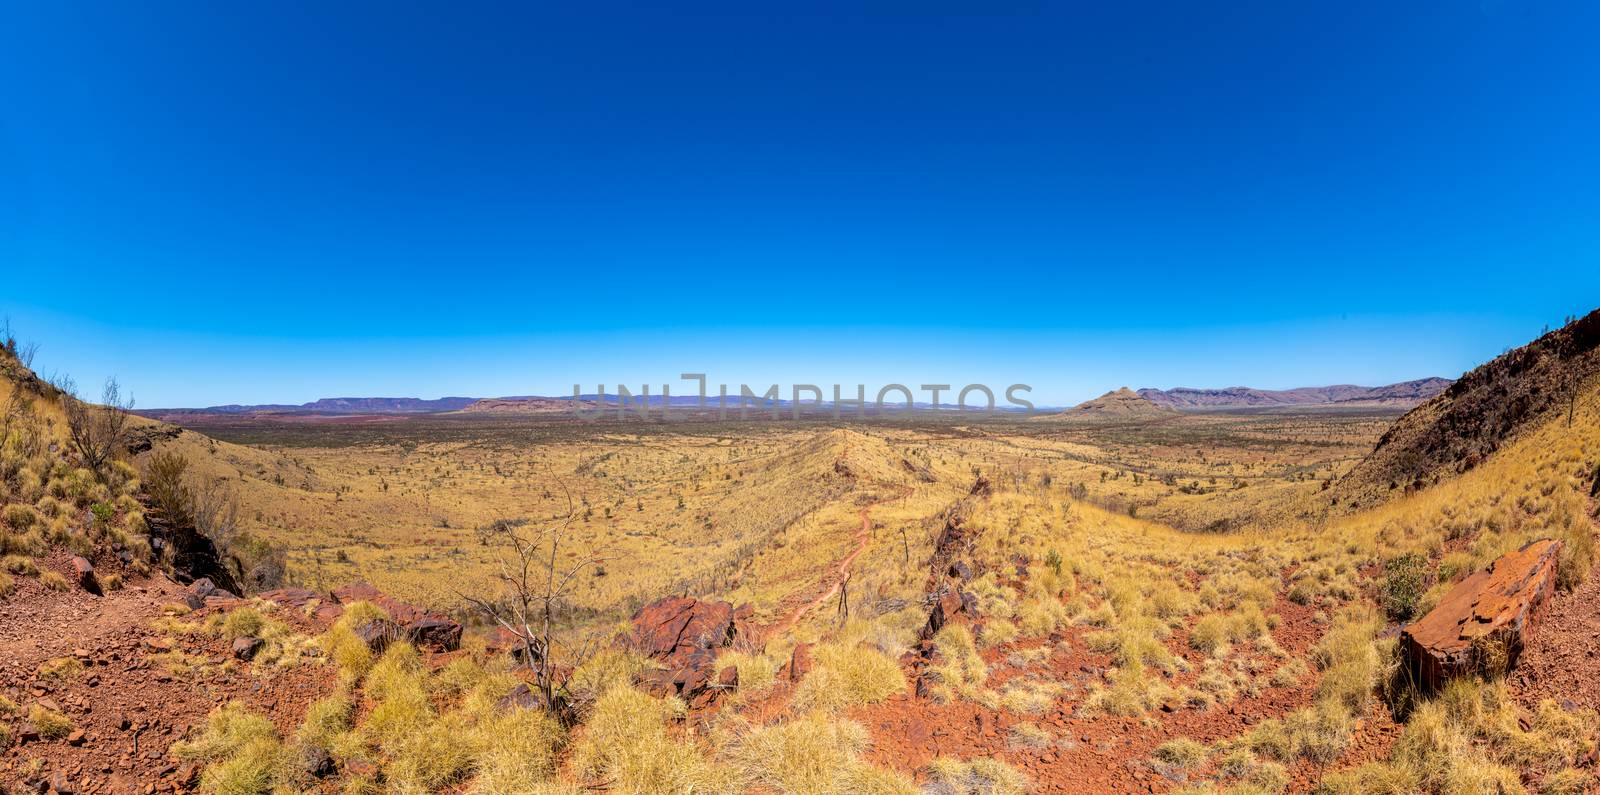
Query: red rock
{"type": "Point", "coordinates": [683, 635]}
{"type": "Point", "coordinates": [800, 662]}
{"type": "Point", "coordinates": [83, 573]}
{"type": "Point", "coordinates": [434, 634]}
{"type": "Point", "coordinates": [379, 633]}
{"type": "Point", "coordinates": [297, 598]}
{"type": "Point", "coordinates": [674, 627]}
{"type": "Point", "coordinates": [1480, 625]}
{"type": "Point", "coordinates": [247, 648]}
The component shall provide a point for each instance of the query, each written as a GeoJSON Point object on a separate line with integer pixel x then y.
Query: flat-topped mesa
{"type": "Point", "coordinates": [1480, 625]}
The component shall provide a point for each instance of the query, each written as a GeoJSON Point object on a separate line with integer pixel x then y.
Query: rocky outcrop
{"type": "Point", "coordinates": [683, 635]}
{"type": "Point", "coordinates": [200, 591]}
{"type": "Point", "coordinates": [1481, 624]}
{"type": "Point", "coordinates": [379, 633]}
{"type": "Point", "coordinates": [1479, 414]}
{"type": "Point", "coordinates": [425, 629]}
{"type": "Point", "coordinates": [246, 648]}
{"type": "Point", "coordinates": [83, 574]}
{"type": "Point", "coordinates": [948, 575]}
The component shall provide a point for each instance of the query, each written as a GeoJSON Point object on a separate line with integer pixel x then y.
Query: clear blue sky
{"type": "Point", "coordinates": [274, 203]}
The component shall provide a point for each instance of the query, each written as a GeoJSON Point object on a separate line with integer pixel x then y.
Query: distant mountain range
{"type": "Point", "coordinates": [1122, 403]}
{"type": "Point", "coordinates": [341, 405]}
{"type": "Point", "coordinates": [1404, 395]}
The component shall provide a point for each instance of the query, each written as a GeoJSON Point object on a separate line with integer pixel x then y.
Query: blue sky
{"type": "Point", "coordinates": [220, 203]}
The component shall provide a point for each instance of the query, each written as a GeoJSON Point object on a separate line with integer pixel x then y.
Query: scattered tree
{"type": "Point", "coordinates": [97, 433]}
{"type": "Point", "coordinates": [535, 583]}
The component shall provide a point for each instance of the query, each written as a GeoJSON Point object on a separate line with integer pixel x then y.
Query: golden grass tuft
{"type": "Point", "coordinates": [242, 752]}
{"type": "Point", "coordinates": [607, 669]}
{"type": "Point", "coordinates": [626, 740]}
{"type": "Point", "coordinates": [950, 776]}
{"type": "Point", "coordinates": [846, 677]}
{"type": "Point", "coordinates": [812, 754]}
{"type": "Point", "coordinates": [961, 672]}
{"type": "Point", "coordinates": [51, 724]}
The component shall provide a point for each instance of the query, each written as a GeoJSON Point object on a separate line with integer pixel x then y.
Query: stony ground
{"type": "Point", "coordinates": [127, 704]}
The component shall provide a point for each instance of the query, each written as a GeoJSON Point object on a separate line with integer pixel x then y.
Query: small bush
{"type": "Point", "coordinates": [1029, 735]}
{"type": "Point", "coordinates": [846, 677]}
{"type": "Point", "coordinates": [807, 755]}
{"type": "Point", "coordinates": [60, 669]}
{"type": "Point", "coordinates": [948, 776]}
{"type": "Point", "coordinates": [962, 671]}
{"type": "Point", "coordinates": [1404, 582]}
{"type": "Point", "coordinates": [243, 622]}
{"type": "Point", "coordinates": [51, 725]}
{"type": "Point", "coordinates": [242, 752]}
{"type": "Point", "coordinates": [20, 565]}
{"type": "Point", "coordinates": [18, 517]}
{"type": "Point", "coordinates": [1181, 753]}
{"type": "Point", "coordinates": [54, 581]}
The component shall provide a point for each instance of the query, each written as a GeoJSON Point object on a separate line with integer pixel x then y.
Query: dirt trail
{"type": "Point", "coordinates": [836, 576]}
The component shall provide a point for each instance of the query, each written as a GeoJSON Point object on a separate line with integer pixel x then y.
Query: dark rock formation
{"type": "Point", "coordinates": [683, 635]}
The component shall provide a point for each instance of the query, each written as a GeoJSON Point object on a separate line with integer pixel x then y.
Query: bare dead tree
{"type": "Point", "coordinates": [534, 583]}
{"type": "Point", "coordinates": [844, 598]}
{"type": "Point", "coordinates": [97, 433]}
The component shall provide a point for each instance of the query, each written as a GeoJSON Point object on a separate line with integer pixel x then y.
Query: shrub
{"type": "Point", "coordinates": [1181, 752]}
{"type": "Point", "coordinates": [1029, 735]}
{"type": "Point", "coordinates": [626, 740]}
{"type": "Point", "coordinates": [808, 755]}
{"type": "Point", "coordinates": [60, 669]}
{"type": "Point", "coordinates": [243, 622]}
{"type": "Point", "coordinates": [518, 747]}
{"type": "Point", "coordinates": [962, 671]}
{"type": "Point", "coordinates": [1028, 696]}
{"type": "Point", "coordinates": [1403, 584]}
{"type": "Point", "coordinates": [54, 581]}
{"type": "Point", "coordinates": [610, 668]}
{"type": "Point", "coordinates": [18, 517]}
{"type": "Point", "coordinates": [757, 672]}
{"type": "Point", "coordinates": [325, 720]}
{"type": "Point", "coordinates": [241, 750]}
{"type": "Point", "coordinates": [846, 677]}
{"type": "Point", "coordinates": [51, 724]}
{"type": "Point", "coordinates": [949, 776]}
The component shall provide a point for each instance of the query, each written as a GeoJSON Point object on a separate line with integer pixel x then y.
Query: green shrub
{"type": "Point", "coordinates": [1404, 581]}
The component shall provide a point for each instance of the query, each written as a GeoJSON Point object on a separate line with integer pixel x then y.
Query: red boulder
{"type": "Point", "coordinates": [1480, 625]}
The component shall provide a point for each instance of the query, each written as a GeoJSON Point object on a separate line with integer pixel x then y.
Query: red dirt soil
{"type": "Point", "coordinates": [1091, 753]}
{"type": "Point", "coordinates": [130, 708]}
{"type": "Point", "coordinates": [1562, 652]}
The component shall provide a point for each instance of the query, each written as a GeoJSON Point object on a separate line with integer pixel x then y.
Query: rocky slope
{"type": "Point", "coordinates": [1457, 429]}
